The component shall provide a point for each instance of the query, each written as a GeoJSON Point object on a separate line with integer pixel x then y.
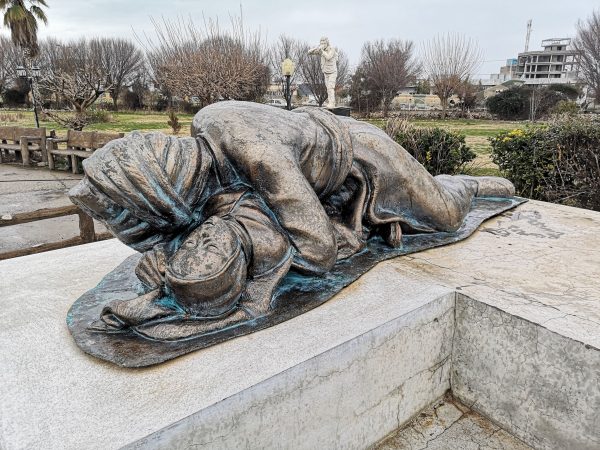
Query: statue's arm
{"type": "Point", "coordinates": [329, 53]}
{"type": "Point", "coordinates": [315, 51]}
{"type": "Point", "coordinates": [274, 173]}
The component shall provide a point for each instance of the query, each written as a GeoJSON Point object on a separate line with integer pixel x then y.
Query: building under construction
{"type": "Point", "coordinates": [556, 63]}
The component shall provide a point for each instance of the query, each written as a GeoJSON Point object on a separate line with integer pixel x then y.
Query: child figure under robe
{"type": "Point", "coordinates": [221, 217]}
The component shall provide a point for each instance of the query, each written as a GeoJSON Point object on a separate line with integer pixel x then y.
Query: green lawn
{"type": "Point", "coordinates": [476, 134]}
{"type": "Point", "coordinates": [120, 122]}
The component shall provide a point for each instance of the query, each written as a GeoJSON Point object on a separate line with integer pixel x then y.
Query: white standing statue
{"type": "Point", "coordinates": [329, 57]}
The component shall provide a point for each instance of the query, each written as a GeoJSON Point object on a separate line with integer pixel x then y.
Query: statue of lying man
{"type": "Point", "coordinates": [222, 216]}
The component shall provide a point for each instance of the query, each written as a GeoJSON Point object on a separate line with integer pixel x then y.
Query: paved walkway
{"type": "Point", "coordinates": [24, 189]}
{"type": "Point", "coordinates": [451, 425]}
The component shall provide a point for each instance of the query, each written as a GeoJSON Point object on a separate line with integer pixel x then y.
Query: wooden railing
{"type": "Point", "coordinates": [86, 229]}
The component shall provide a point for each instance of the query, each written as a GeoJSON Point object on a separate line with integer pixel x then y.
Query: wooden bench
{"type": "Point", "coordinates": [22, 141]}
{"type": "Point", "coordinates": [79, 145]}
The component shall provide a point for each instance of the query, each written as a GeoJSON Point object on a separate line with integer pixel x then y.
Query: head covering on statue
{"type": "Point", "coordinates": [202, 241]}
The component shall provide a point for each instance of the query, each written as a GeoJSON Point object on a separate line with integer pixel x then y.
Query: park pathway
{"type": "Point", "coordinates": [25, 189]}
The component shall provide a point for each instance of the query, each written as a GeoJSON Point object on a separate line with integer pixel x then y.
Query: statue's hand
{"type": "Point", "coordinates": [348, 241]}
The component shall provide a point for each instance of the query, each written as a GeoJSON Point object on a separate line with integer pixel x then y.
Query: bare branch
{"type": "Point", "coordinates": [385, 68]}
{"type": "Point", "coordinates": [207, 62]}
{"type": "Point", "coordinates": [450, 60]}
{"type": "Point", "coordinates": [74, 71]}
{"type": "Point", "coordinates": [12, 56]}
{"type": "Point", "coordinates": [311, 73]}
{"type": "Point", "coordinates": [120, 60]}
{"type": "Point", "coordinates": [587, 44]}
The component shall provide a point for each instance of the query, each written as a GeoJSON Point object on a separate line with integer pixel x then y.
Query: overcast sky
{"type": "Point", "coordinates": [498, 26]}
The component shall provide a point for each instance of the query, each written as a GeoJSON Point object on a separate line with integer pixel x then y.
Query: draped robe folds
{"type": "Point", "coordinates": [305, 187]}
{"type": "Point", "coordinates": [150, 188]}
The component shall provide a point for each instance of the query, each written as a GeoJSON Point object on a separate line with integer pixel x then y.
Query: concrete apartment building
{"type": "Point", "coordinates": [556, 63]}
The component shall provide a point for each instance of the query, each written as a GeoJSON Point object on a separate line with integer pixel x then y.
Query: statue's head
{"type": "Point", "coordinates": [146, 187]}
{"type": "Point", "coordinates": [207, 273]}
{"type": "Point", "coordinates": [324, 43]}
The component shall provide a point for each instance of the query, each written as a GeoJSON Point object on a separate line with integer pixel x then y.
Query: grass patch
{"type": "Point", "coordinates": [476, 134]}
{"type": "Point", "coordinates": [123, 122]}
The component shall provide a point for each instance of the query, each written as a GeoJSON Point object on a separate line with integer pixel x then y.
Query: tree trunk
{"type": "Point", "coordinates": [386, 106]}
{"type": "Point", "coordinates": [115, 105]}
{"type": "Point", "coordinates": [444, 107]}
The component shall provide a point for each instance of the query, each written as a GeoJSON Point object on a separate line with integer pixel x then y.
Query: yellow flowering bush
{"type": "Point", "coordinates": [555, 162]}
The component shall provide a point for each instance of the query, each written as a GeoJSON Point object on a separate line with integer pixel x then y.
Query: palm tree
{"type": "Point", "coordinates": [23, 22]}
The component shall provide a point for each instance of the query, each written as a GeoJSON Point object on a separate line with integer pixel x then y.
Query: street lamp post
{"type": "Point", "coordinates": [35, 74]}
{"type": "Point", "coordinates": [287, 69]}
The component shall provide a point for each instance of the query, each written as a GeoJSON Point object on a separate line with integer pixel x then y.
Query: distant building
{"type": "Point", "coordinates": [556, 63]}
{"type": "Point", "coordinates": [410, 101]}
{"type": "Point", "coordinates": [507, 72]}
{"type": "Point", "coordinates": [501, 87]}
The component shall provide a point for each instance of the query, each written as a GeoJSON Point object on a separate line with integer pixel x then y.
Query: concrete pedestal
{"type": "Point", "coordinates": [508, 319]}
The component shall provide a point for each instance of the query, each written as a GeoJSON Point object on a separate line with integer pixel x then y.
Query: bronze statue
{"type": "Point", "coordinates": [222, 217]}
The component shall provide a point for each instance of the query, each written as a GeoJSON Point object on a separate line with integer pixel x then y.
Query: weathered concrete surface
{"type": "Point", "coordinates": [530, 360]}
{"type": "Point", "coordinates": [450, 425]}
{"type": "Point", "coordinates": [540, 261]}
{"type": "Point", "coordinates": [24, 189]}
{"type": "Point", "coordinates": [346, 373]}
{"type": "Point", "coordinates": [543, 387]}
{"type": "Point", "coordinates": [347, 397]}
{"type": "Point", "coordinates": [524, 351]}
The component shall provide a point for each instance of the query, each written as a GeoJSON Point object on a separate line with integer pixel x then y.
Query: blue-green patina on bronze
{"type": "Point", "coordinates": [294, 295]}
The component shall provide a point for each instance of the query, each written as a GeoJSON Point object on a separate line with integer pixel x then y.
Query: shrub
{"type": "Point", "coordinates": [99, 116]}
{"type": "Point", "coordinates": [511, 104]}
{"type": "Point", "coordinates": [14, 97]}
{"type": "Point", "coordinates": [173, 122]}
{"type": "Point", "coordinates": [10, 117]}
{"type": "Point", "coordinates": [570, 91]}
{"type": "Point", "coordinates": [132, 100]}
{"type": "Point", "coordinates": [565, 107]}
{"type": "Point", "coordinates": [557, 162]}
{"type": "Point", "coordinates": [519, 102]}
{"type": "Point", "coordinates": [440, 151]}
{"type": "Point", "coordinates": [521, 156]}
{"type": "Point", "coordinates": [79, 120]}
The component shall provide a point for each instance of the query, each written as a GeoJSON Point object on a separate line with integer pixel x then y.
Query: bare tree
{"type": "Point", "coordinates": [120, 60]}
{"type": "Point", "coordinates": [449, 60]}
{"type": "Point", "coordinates": [286, 47]}
{"type": "Point", "coordinates": [74, 72]}
{"type": "Point", "coordinates": [343, 66]}
{"type": "Point", "coordinates": [587, 44]}
{"type": "Point", "coordinates": [12, 56]}
{"type": "Point", "coordinates": [312, 73]}
{"type": "Point", "coordinates": [137, 93]}
{"type": "Point", "coordinates": [386, 67]}
{"type": "Point", "coordinates": [207, 62]}
{"type": "Point", "coordinates": [467, 95]}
